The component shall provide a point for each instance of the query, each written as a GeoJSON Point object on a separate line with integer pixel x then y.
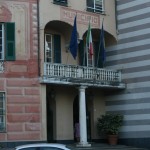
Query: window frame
{"type": "Point", "coordinates": [3, 111]}
{"type": "Point", "coordinates": [2, 38]}
{"type": "Point", "coordinates": [8, 41]}
{"type": "Point", "coordinates": [95, 8]}
{"type": "Point", "coordinates": [48, 45]}
{"type": "Point", "coordinates": [55, 48]}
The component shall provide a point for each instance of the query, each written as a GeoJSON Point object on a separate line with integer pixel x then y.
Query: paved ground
{"type": "Point", "coordinates": [97, 147]}
{"type": "Point", "coordinates": [105, 147]}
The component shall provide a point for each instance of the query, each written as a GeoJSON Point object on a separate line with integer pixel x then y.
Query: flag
{"type": "Point", "coordinates": [89, 43]}
{"type": "Point", "coordinates": [102, 45]}
{"type": "Point", "coordinates": [73, 42]}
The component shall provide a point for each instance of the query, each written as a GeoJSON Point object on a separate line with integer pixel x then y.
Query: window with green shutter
{"type": "Point", "coordinates": [7, 41]}
{"type": "Point", "coordinates": [82, 56]}
{"type": "Point", "coordinates": [57, 48]}
{"type": "Point", "coordinates": [10, 41]}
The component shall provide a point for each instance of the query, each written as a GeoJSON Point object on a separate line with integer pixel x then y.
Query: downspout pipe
{"type": "Point", "coordinates": [38, 34]}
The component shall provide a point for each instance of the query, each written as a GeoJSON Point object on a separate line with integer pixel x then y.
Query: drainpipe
{"type": "Point", "coordinates": [38, 32]}
{"type": "Point", "coordinates": [116, 13]}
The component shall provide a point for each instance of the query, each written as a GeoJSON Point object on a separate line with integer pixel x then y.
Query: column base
{"type": "Point", "coordinates": [83, 145]}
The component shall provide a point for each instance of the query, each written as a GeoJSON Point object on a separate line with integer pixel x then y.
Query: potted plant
{"type": "Point", "coordinates": [109, 124]}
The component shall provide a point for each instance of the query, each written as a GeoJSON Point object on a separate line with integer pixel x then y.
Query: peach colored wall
{"type": "Point", "coordinates": [64, 113]}
{"type": "Point", "coordinates": [23, 109]}
{"type": "Point", "coordinates": [20, 78]}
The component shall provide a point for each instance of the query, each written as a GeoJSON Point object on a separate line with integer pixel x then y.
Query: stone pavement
{"type": "Point", "coordinates": [105, 147]}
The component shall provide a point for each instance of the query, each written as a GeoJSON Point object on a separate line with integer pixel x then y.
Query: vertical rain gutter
{"type": "Point", "coordinates": [116, 13]}
{"type": "Point", "coordinates": [38, 34]}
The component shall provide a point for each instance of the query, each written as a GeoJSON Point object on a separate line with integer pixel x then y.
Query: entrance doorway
{"type": "Point", "coordinates": [76, 117]}
{"type": "Point", "coordinates": [50, 116]}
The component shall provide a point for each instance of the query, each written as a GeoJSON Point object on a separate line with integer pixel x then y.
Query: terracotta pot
{"type": "Point", "coordinates": [112, 139]}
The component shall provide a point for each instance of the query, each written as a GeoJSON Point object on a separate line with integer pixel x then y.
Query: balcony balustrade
{"type": "Point", "coordinates": [1, 66]}
{"type": "Point", "coordinates": [81, 75]}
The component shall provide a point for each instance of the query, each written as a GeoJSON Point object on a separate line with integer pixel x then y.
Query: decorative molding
{"type": "Point", "coordinates": [34, 29]}
{"type": "Point", "coordinates": [68, 15]}
{"type": "Point", "coordinates": [5, 14]}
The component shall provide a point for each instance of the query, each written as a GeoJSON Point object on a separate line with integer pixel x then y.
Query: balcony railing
{"type": "Point", "coordinates": [80, 75]}
{"type": "Point", "coordinates": [1, 66]}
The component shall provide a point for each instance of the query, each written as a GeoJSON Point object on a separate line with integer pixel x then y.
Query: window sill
{"type": "Point", "coordinates": [95, 11]}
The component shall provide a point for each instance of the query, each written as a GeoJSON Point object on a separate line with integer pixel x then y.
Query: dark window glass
{"type": "Point", "coordinates": [60, 2]}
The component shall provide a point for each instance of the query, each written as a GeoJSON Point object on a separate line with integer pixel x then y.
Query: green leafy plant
{"type": "Point", "coordinates": [109, 124]}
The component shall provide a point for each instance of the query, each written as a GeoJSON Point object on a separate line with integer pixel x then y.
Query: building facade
{"type": "Point", "coordinates": [131, 54]}
{"type": "Point", "coordinates": [20, 103]}
{"type": "Point", "coordinates": [73, 89]}
{"type": "Point", "coordinates": [44, 91]}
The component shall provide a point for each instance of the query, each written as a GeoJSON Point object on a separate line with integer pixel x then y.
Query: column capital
{"type": "Point", "coordinates": [82, 87]}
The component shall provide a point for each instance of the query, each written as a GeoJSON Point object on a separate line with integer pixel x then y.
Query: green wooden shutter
{"type": "Point", "coordinates": [82, 60]}
{"type": "Point", "coordinates": [10, 41]}
{"type": "Point", "coordinates": [57, 49]}
{"type": "Point", "coordinates": [96, 48]}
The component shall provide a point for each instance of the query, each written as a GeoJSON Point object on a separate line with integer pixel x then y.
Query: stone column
{"type": "Point", "coordinates": [82, 118]}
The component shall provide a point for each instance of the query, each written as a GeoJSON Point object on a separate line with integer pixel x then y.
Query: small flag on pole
{"type": "Point", "coordinates": [89, 43]}
{"type": "Point", "coordinates": [102, 45]}
{"type": "Point", "coordinates": [73, 42]}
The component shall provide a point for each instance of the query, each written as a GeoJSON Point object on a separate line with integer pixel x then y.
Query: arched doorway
{"type": "Point", "coordinates": [75, 113]}
{"type": "Point", "coordinates": [76, 116]}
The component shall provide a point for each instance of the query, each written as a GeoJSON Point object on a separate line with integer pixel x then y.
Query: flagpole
{"type": "Point", "coordinates": [84, 56]}
{"type": "Point", "coordinates": [87, 56]}
{"type": "Point", "coordinates": [89, 46]}
{"type": "Point", "coordinates": [92, 61]}
{"type": "Point", "coordinates": [67, 58]}
{"type": "Point", "coordinates": [100, 44]}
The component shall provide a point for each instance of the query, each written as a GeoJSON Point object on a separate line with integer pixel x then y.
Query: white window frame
{"type": "Point", "coordinates": [95, 9]}
{"type": "Point", "coordinates": [49, 48]}
{"type": "Point", "coordinates": [2, 39]}
{"type": "Point", "coordinates": [2, 112]}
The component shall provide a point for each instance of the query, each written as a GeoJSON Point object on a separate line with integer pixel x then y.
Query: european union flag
{"type": "Point", "coordinates": [73, 42]}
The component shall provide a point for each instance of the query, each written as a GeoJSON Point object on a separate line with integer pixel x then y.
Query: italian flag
{"type": "Point", "coordinates": [89, 41]}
